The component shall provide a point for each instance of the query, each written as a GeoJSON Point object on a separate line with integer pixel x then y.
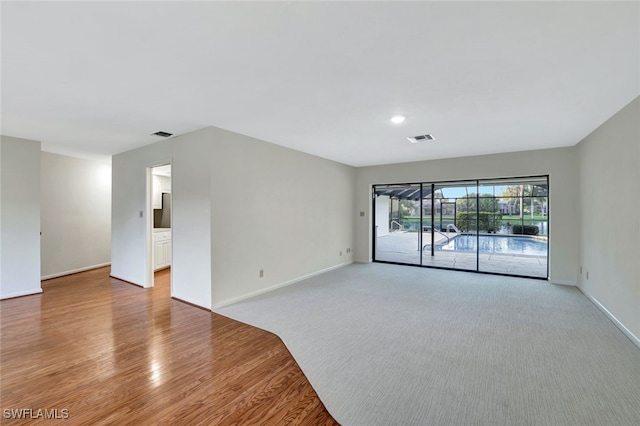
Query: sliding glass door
{"type": "Point", "coordinates": [397, 228]}
{"type": "Point", "coordinates": [515, 241]}
{"type": "Point", "coordinates": [487, 225]}
{"type": "Point", "coordinates": [452, 210]}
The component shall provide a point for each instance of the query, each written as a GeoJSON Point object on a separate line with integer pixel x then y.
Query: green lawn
{"type": "Point", "coordinates": [526, 217]}
{"type": "Point", "coordinates": [412, 223]}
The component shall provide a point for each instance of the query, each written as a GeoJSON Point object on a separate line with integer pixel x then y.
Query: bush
{"type": "Point", "coordinates": [487, 221]}
{"type": "Point", "coordinates": [526, 229]}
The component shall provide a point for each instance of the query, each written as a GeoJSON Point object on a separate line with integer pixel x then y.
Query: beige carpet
{"type": "Point", "coordinates": [397, 345]}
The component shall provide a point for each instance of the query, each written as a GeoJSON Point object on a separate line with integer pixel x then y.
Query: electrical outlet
{"type": "Point", "coordinates": [340, 252]}
{"type": "Point", "coordinates": [581, 270]}
{"type": "Point", "coordinates": [587, 274]}
{"type": "Point", "coordinates": [361, 214]}
{"type": "Point", "coordinates": [140, 214]}
{"type": "Point", "coordinates": [261, 273]}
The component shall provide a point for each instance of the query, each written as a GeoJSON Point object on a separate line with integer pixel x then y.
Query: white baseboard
{"type": "Point", "coordinates": [74, 271]}
{"type": "Point", "coordinates": [125, 280]}
{"type": "Point", "coordinates": [615, 320]}
{"type": "Point", "coordinates": [21, 293]}
{"type": "Point", "coordinates": [563, 282]}
{"type": "Point", "coordinates": [190, 301]}
{"type": "Point", "coordinates": [275, 287]}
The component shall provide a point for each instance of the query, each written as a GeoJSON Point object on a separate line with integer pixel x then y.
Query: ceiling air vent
{"type": "Point", "coordinates": [162, 134]}
{"type": "Point", "coordinates": [420, 138]}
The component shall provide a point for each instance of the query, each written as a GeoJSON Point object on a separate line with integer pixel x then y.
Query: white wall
{"type": "Point", "coordinates": [189, 156]}
{"type": "Point", "coordinates": [75, 202]}
{"type": "Point", "coordinates": [239, 205]}
{"type": "Point", "coordinates": [560, 164]}
{"type": "Point", "coordinates": [609, 167]}
{"type": "Point", "coordinates": [19, 217]}
{"type": "Point", "coordinates": [276, 209]}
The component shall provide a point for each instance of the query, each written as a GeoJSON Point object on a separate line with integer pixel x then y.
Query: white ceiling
{"type": "Point", "coordinates": [95, 79]}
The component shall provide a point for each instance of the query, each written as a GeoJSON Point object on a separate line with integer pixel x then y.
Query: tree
{"type": "Point", "coordinates": [536, 195]}
{"type": "Point", "coordinates": [515, 191]}
{"type": "Point", "coordinates": [407, 208]}
{"type": "Point", "coordinates": [469, 203]}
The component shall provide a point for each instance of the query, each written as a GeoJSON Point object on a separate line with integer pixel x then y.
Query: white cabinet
{"type": "Point", "coordinates": [159, 184]}
{"type": "Point", "coordinates": [165, 184]}
{"type": "Point", "coordinates": [161, 249]}
{"type": "Point", "coordinates": [156, 192]}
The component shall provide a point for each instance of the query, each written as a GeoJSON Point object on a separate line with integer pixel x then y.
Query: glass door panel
{"type": "Point", "coordinates": [513, 226]}
{"type": "Point", "coordinates": [397, 225]}
{"type": "Point", "coordinates": [449, 237]}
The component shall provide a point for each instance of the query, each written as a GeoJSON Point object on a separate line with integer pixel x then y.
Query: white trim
{"type": "Point", "coordinates": [21, 293]}
{"type": "Point", "coordinates": [190, 301]}
{"type": "Point", "coordinates": [125, 280]}
{"type": "Point", "coordinates": [615, 320]}
{"type": "Point", "coordinates": [275, 287]}
{"type": "Point", "coordinates": [149, 245]}
{"type": "Point", "coordinates": [74, 271]}
{"type": "Point", "coordinates": [148, 223]}
{"type": "Point", "coordinates": [563, 282]}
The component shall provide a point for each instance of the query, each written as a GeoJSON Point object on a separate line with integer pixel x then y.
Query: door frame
{"type": "Point", "coordinates": [435, 183]}
{"type": "Point", "coordinates": [149, 270]}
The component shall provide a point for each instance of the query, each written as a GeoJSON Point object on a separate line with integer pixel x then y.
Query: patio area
{"type": "Point", "coordinates": [404, 247]}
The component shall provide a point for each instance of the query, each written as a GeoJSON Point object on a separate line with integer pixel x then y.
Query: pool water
{"type": "Point", "coordinates": [497, 244]}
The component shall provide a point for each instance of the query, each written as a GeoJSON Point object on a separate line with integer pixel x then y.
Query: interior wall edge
{"type": "Point", "coordinates": [20, 229]}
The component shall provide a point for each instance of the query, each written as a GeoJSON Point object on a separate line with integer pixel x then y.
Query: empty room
{"type": "Point", "coordinates": [320, 213]}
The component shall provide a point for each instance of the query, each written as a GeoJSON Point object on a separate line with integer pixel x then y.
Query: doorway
{"type": "Point", "coordinates": [160, 227]}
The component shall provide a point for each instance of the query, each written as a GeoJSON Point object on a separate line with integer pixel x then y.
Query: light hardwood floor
{"type": "Point", "coordinates": [110, 352]}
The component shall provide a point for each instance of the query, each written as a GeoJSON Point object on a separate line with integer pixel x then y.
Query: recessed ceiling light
{"type": "Point", "coordinates": [397, 119]}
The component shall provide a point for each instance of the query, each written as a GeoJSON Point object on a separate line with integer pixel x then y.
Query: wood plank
{"type": "Point", "coordinates": [111, 352]}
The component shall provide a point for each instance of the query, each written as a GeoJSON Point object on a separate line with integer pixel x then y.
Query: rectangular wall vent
{"type": "Point", "coordinates": [420, 138]}
{"type": "Point", "coordinates": [162, 134]}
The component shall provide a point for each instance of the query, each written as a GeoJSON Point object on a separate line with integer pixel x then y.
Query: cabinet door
{"type": "Point", "coordinates": [166, 184]}
{"type": "Point", "coordinates": [160, 260]}
{"type": "Point", "coordinates": [156, 192]}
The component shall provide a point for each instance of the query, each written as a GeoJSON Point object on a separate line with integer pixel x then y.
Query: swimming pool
{"type": "Point", "coordinates": [497, 244]}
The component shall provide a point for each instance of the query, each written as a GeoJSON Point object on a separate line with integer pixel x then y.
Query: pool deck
{"type": "Point", "coordinates": [403, 247]}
